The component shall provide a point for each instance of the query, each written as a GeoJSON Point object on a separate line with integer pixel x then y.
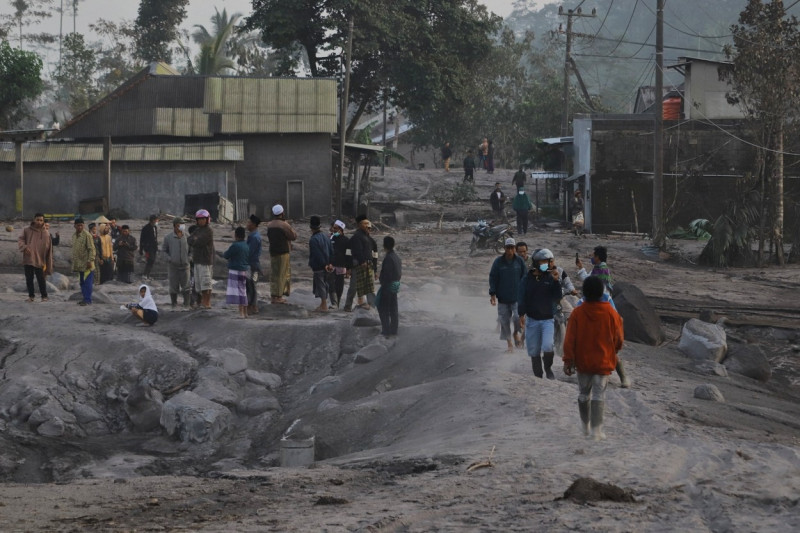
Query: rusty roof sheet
{"type": "Point", "coordinates": [57, 152]}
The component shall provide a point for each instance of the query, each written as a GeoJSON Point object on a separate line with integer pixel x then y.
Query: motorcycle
{"type": "Point", "coordinates": [485, 235]}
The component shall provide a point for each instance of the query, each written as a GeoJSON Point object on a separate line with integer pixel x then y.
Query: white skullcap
{"type": "Point", "coordinates": [277, 209]}
{"type": "Point", "coordinates": [340, 224]}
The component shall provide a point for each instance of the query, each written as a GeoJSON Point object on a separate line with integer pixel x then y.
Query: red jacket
{"type": "Point", "coordinates": [594, 336]}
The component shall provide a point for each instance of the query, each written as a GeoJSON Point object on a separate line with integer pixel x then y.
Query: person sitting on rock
{"type": "Point", "coordinates": [146, 309]}
{"type": "Point", "coordinates": [594, 336]}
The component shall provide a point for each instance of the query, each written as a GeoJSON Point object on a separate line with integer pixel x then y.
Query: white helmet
{"type": "Point", "coordinates": [543, 255]}
{"type": "Point", "coordinates": [202, 213]}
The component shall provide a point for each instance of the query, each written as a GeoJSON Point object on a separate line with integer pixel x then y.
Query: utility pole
{"type": "Point", "coordinates": [337, 193]}
{"type": "Point", "coordinates": [659, 237]}
{"type": "Point", "coordinates": [570, 13]}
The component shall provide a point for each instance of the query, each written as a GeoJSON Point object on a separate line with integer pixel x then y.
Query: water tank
{"type": "Point", "coordinates": [672, 108]}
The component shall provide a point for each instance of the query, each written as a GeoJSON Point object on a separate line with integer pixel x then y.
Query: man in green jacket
{"type": "Point", "coordinates": [83, 257]}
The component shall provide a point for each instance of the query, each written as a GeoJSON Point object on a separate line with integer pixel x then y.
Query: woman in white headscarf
{"type": "Point", "coordinates": [146, 309]}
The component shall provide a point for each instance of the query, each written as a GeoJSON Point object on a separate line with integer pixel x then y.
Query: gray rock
{"type": "Point", "coordinates": [194, 419]}
{"type": "Point", "coordinates": [641, 322]}
{"type": "Point", "coordinates": [60, 281]}
{"type": "Point", "coordinates": [143, 406]}
{"type": "Point", "coordinates": [214, 384]}
{"type": "Point", "coordinates": [363, 318]}
{"type": "Point", "coordinates": [708, 392]}
{"type": "Point", "coordinates": [708, 368]}
{"type": "Point", "coordinates": [256, 406]}
{"type": "Point", "coordinates": [369, 353]}
{"type": "Point", "coordinates": [328, 404]}
{"type": "Point", "coordinates": [85, 414]}
{"type": "Point", "coordinates": [232, 360]}
{"type": "Point", "coordinates": [325, 385]}
{"type": "Point", "coordinates": [700, 340]}
{"type": "Point", "coordinates": [98, 297]}
{"type": "Point", "coordinates": [266, 379]}
{"type": "Point", "coordinates": [748, 360]}
{"type": "Point", "coordinates": [54, 427]}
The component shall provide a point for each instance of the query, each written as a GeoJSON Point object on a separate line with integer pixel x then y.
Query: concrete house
{"type": "Point", "coordinates": [160, 136]}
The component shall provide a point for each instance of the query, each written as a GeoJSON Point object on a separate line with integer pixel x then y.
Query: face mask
{"type": "Point", "coordinates": [544, 267]}
{"type": "Point", "coordinates": [182, 227]}
{"type": "Point", "coordinates": [336, 233]}
{"type": "Point", "coordinates": [591, 260]}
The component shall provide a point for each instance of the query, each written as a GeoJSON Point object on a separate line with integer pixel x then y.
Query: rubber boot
{"type": "Point", "coordinates": [623, 378]}
{"type": "Point", "coordinates": [583, 408]}
{"type": "Point", "coordinates": [597, 409]}
{"type": "Point", "coordinates": [206, 295]}
{"type": "Point", "coordinates": [548, 365]}
{"type": "Point", "coordinates": [187, 299]}
{"type": "Point", "coordinates": [174, 299]}
{"type": "Point", "coordinates": [536, 363]}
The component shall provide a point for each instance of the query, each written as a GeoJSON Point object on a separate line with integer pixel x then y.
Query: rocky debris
{"type": "Point", "coordinates": [194, 419]}
{"type": "Point", "coordinates": [253, 406]}
{"type": "Point", "coordinates": [215, 384]}
{"type": "Point", "coordinates": [325, 385]}
{"type": "Point", "coordinates": [701, 340]}
{"type": "Point", "coordinates": [708, 368]}
{"type": "Point", "coordinates": [364, 318]}
{"type": "Point", "coordinates": [99, 296]}
{"type": "Point", "coordinates": [369, 353]}
{"type": "Point", "coordinates": [641, 322]}
{"type": "Point", "coordinates": [143, 407]}
{"type": "Point", "coordinates": [748, 360]}
{"type": "Point", "coordinates": [586, 489]}
{"type": "Point", "coordinates": [233, 361]}
{"type": "Point", "coordinates": [266, 379]}
{"type": "Point", "coordinates": [60, 281]}
{"type": "Point", "coordinates": [709, 392]}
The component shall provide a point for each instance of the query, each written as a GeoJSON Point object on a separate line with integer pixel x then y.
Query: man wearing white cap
{"type": "Point", "coordinates": [280, 234]}
{"type": "Point", "coordinates": [341, 262]}
{"type": "Point", "coordinates": [504, 277]}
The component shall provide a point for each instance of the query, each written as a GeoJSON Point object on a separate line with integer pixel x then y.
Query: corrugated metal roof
{"type": "Point", "coordinates": [272, 105]}
{"type": "Point", "coordinates": [57, 152]}
{"type": "Point", "coordinates": [180, 122]}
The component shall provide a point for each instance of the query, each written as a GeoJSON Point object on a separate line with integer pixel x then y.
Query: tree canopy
{"type": "Point", "coordinates": [20, 82]}
{"type": "Point", "coordinates": [157, 27]}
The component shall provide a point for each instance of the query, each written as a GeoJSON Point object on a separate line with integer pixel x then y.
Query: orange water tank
{"type": "Point", "coordinates": [672, 108]}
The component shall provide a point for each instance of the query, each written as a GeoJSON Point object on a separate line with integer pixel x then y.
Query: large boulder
{"type": "Point", "coordinates": [364, 318]}
{"type": "Point", "coordinates": [641, 322]}
{"type": "Point", "coordinates": [60, 281]}
{"type": "Point", "coordinates": [194, 419]}
{"type": "Point", "coordinates": [369, 353]}
{"type": "Point", "coordinates": [143, 406]}
{"type": "Point", "coordinates": [701, 340]}
{"type": "Point", "coordinates": [748, 360]}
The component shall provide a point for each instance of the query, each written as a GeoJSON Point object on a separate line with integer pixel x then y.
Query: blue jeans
{"type": "Point", "coordinates": [538, 336]}
{"type": "Point", "coordinates": [86, 286]}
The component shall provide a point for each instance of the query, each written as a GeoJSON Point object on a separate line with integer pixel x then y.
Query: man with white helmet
{"type": "Point", "coordinates": [280, 234]}
{"type": "Point", "coordinates": [201, 242]}
{"type": "Point", "coordinates": [539, 291]}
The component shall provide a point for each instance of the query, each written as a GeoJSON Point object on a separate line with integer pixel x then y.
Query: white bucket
{"type": "Point", "coordinates": [297, 452]}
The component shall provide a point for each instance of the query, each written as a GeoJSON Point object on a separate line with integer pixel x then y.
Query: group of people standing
{"type": "Point", "coordinates": [485, 152]}
{"type": "Point", "coordinates": [520, 203]}
{"type": "Point", "coordinates": [527, 298]}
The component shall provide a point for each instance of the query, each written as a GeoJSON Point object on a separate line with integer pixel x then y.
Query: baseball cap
{"type": "Point", "coordinates": [511, 242]}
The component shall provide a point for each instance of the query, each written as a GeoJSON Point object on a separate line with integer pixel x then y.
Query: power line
{"type": "Point", "coordinates": [625, 31]}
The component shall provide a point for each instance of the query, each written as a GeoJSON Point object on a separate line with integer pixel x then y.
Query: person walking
{"type": "Point", "coordinates": [498, 202]}
{"type": "Point", "coordinates": [201, 243]}
{"type": "Point", "coordinates": [539, 292]}
{"type": "Point", "coordinates": [519, 179]}
{"type": "Point", "coordinates": [37, 255]}
{"type": "Point", "coordinates": [504, 280]}
{"type": "Point", "coordinates": [593, 340]}
{"type": "Point", "coordinates": [280, 235]}
{"type": "Point", "coordinates": [320, 255]}
{"type": "Point", "coordinates": [238, 255]}
{"type": "Point", "coordinates": [176, 250]}
{"type": "Point", "coordinates": [469, 168]}
{"type": "Point", "coordinates": [341, 262]}
{"type": "Point", "coordinates": [148, 245]}
{"type": "Point", "coordinates": [447, 153]}
{"type": "Point", "coordinates": [490, 157]}
{"type": "Point", "coordinates": [125, 247]}
{"type": "Point", "coordinates": [522, 206]}
{"type": "Point", "coordinates": [254, 260]}
{"type": "Point", "coordinates": [391, 272]}
{"type": "Point", "coordinates": [83, 260]}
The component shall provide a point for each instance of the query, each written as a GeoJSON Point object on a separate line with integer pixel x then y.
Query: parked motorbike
{"type": "Point", "coordinates": [486, 235]}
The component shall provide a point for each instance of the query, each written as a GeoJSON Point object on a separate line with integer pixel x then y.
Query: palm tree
{"type": "Point", "coordinates": [216, 49]}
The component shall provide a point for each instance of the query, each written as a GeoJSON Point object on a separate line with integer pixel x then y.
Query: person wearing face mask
{"type": "Point", "coordinates": [176, 248]}
{"type": "Point", "coordinates": [539, 292]}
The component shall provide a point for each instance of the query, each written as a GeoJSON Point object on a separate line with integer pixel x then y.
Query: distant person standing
{"type": "Point", "coordinates": [106, 253]}
{"type": "Point", "coordinates": [280, 235]}
{"type": "Point", "coordinates": [341, 262]}
{"type": "Point", "coordinates": [176, 250]}
{"type": "Point", "coordinates": [469, 168]}
{"type": "Point", "coordinates": [37, 255]}
{"type": "Point", "coordinates": [490, 157]}
{"type": "Point", "coordinates": [365, 259]}
{"type": "Point", "coordinates": [593, 339]}
{"type": "Point", "coordinates": [55, 238]}
{"type": "Point", "coordinates": [498, 202]}
{"type": "Point", "coordinates": [201, 242]}
{"type": "Point", "coordinates": [483, 152]}
{"type": "Point", "coordinates": [125, 247]}
{"type": "Point", "coordinates": [522, 206]}
{"type": "Point", "coordinates": [148, 245]}
{"type": "Point", "coordinates": [519, 179]}
{"type": "Point", "coordinates": [391, 272]}
{"type": "Point", "coordinates": [254, 259]}
{"type": "Point", "coordinates": [577, 207]}
{"type": "Point", "coordinates": [447, 153]}
{"type": "Point", "coordinates": [83, 257]}
{"type": "Point", "coordinates": [237, 255]}
{"type": "Point", "coordinates": [320, 255]}
{"type": "Point", "coordinates": [114, 230]}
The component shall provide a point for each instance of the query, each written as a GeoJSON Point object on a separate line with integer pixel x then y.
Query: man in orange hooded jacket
{"type": "Point", "coordinates": [594, 336]}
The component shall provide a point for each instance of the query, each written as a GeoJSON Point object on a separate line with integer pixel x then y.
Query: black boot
{"type": "Point", "coordinates": [548, 365]}
{"type": "Point", "coordinates": [174, 299]}
{"type": "Point", "coordinates": [536, 363]}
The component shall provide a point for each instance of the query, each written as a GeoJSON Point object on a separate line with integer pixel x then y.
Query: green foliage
{"type": "Point", "coordinates": [156, 28]}
{"type": "Point", "coordinates": [732, 232]}
{"type": "Point", "coordinates": [419, 53]}
{"type": "Point", "coordinates": [76, 74]}
{"type": "Point", "coordinates": [27, 14]}
{"type": "Point", "coordinates": [115, 54]}
{"type": "Point", "coordinates": [20, 82]}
